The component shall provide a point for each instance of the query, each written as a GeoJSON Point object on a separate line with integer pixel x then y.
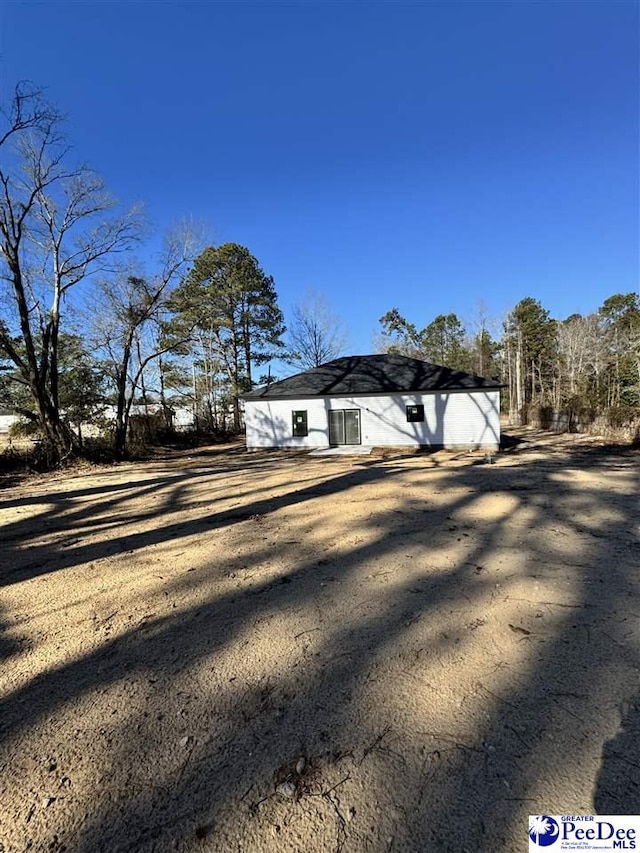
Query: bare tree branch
{"type": "Point", "coordinates": [316, 335]}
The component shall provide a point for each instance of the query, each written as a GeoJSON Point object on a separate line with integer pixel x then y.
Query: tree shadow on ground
{"type": "Point", "coordinates": [618, 783]}
{"type": "Point", "coordinates": [189, 754]}
{"type": "Point", "coordinates": [61, 515]}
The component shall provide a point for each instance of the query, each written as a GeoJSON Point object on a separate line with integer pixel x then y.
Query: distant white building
{"type": "Point", "coordinates": [182, 417]}
{"type": "Point", "coordinates": [7, 421]}
{"type": "Point", "coordinates": [375, 400]}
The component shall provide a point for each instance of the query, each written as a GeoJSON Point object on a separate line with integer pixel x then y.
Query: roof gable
{"type": "Point", "coordinates": [385, 373]}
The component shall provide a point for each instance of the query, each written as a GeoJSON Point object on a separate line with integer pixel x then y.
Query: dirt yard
{"type": "Point", "coordinates": [222, 651]}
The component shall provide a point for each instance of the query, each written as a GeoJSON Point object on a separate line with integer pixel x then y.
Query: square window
{"type": "Point", "coordinates": [415, 414]}
{"type": "Point", "coordinates": [300, 424]}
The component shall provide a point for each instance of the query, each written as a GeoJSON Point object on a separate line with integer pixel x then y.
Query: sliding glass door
{"type": "Point", "coordinates": [344, 426]}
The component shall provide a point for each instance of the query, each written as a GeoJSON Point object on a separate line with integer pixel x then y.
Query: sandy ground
{"type": "Point", "coordinates": [221, 651]}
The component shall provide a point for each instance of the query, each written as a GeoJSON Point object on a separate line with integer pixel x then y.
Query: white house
{"type": "Point", "coordinates": [375, 400]}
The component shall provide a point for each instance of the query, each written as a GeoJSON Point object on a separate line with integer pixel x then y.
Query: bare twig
{"type": "Point", "coordinates": [519, 736]}
{"type": "Point", "coordinates": [337, 785]}
{"type": "Point", "coordinates": [450, 739]}
{"type": "Point", "coordinates": [518, 630]}
{"type": "Point", "coordinates": [342, 826]}
{"type": "Point", "coordinates": [566, 710]}
{"type": "Point", "coordinates": [253, 807]}
{"type": "Point", "coordinates": [375, 743]}
{"type": "Point", "coordinates": [554, 603]}
{"type": "Point", "coordinates": [186, 761]}
{"type": "Point", "coordinates": [302, 633]}
{"type": "Point", "coordinates": [499, 698]}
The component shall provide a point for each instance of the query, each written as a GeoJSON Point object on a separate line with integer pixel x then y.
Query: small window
{"type": "Point", "coordinates": [415, 414]}
{"type": "Point", "coordinates": [300, 424]}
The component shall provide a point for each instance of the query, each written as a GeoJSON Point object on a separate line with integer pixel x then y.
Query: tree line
{"type": "Point", "coordinates": [581, 366]}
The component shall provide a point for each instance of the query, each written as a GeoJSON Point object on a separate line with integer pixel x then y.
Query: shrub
{"type": "Point", "coordinates": [622, 416]}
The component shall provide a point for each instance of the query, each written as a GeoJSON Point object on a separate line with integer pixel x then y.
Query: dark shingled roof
{"type": "Point", "coordinates": [371, 374]}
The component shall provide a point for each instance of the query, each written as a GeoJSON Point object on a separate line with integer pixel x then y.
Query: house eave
{"type": "Point", "coordinates": [251, 396]}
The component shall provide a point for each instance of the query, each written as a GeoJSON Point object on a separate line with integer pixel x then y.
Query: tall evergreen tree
{"type": "Point", "coordinates": [441, 342]}
{"type": "Point", "coordinates": [620, 320]}
{"type": "Point", "coordinates": [228, 296]}
{"type": "Point", "coordinates": [530, 347]}
{"type": "Point", "coordinates": [484, 354]}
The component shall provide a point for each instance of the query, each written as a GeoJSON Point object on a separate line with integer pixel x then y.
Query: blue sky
{"type": "Point", "coordinates": [417, 155]}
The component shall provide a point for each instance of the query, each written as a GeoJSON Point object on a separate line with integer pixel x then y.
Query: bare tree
{"type": "Point", "coordinates": [599, 356]}
{"type": "Point", "coordinates": [316, 335]}
{"type": "Point", "coordinates": [482, 341]}
{"type": "Point", "coordinates": [209, 378]}
{"type": "Point", "coordinates": [127, 329]}
{"type": "Point", "coordinates": [55, 232]}
{"type": "Point", "coordinates": [580, 350]}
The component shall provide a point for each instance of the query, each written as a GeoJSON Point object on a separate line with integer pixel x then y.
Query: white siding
{"type": "Point", "coordinates": [458, 419]}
